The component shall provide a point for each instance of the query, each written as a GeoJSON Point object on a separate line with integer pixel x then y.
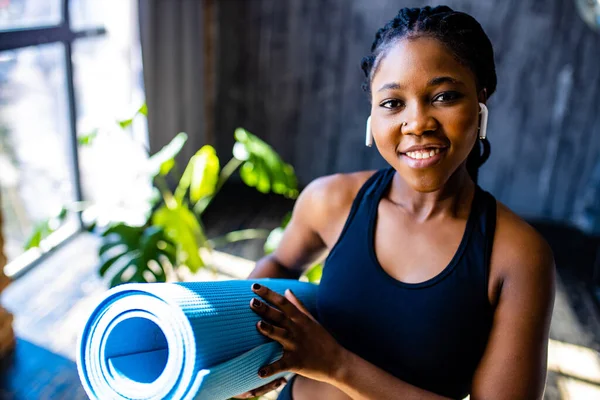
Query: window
{"type": "Point", "coordinates": [67, 67]}
{"type": "Point", "coordinates": [19, 14]}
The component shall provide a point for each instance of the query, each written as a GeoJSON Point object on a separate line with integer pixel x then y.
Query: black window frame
{"type": "Point", "coordinates": [14, 39]}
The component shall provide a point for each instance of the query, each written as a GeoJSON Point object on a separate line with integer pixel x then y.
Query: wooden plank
{"type": "Point", "coordinates": [4, 280]}
{"type": "Point", "coordinates": [307, 112]}
{"type": "Point", "coordinates": [231, 61]}
{"type": "Point", "coordinates": [362, 26]}
{"type": "Point", "coordinates": [7, 335]}
{"type": "Point", "coordinates": [210, 26]}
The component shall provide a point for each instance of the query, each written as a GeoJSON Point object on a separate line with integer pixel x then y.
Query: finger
{"type": "Point", "coordinates": [281, 365]}
{"type": "Point", "coordinates": [280, 335]}
{"type": "Point", "coordinates": [295, 301]}
{"type": "Point", "coordinates": [276, 299]}
{"type": "Point", "coordinates": [269, 313]}
{"type": "Point", "coordinates": [267, 388]}
{"type": "Point", "coordinates": [247, 395]}
{"type": "Point", "coordinates": [262, 390]}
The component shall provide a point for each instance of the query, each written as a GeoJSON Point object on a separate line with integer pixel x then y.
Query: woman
{"type": "Point", "coordinates": [431, 289]}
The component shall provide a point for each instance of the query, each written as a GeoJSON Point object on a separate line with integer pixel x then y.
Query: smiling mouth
{"type": "Point", "coordinates": [423, 154]}
{"type": "Point", "coordinates": [424, 158]}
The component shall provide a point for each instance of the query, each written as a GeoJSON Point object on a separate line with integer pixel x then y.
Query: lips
{"type": "Point", "coordinates": [430, 146]}
{"type": "Point", "coordinates": [423, 158]}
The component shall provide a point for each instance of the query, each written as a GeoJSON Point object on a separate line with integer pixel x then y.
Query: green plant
{"type": "Point", "coordinates": [173, 235]}
{"type": "Point", "coordinates": [176, 222]}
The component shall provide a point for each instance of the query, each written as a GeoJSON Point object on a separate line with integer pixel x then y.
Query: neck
{"type": "Point", "coordinates": [452, 199]}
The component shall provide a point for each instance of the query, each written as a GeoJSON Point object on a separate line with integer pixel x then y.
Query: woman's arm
{"type": "Point", "coordinates": [270, 267]}
{"type": "Point", "coordinates": [318, 206]}
{"type": "Point", "coordinates": [515, 362]}
{"type": "Point", "coordinates": [317, 220]}
{"type": "Point", "coordinates": [301, 242]}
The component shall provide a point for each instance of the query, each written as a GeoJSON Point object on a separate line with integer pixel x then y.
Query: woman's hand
{"type": "Point", "coordinates": [308, 349]}
{"type": "Point", "coordinates": [262, 390]}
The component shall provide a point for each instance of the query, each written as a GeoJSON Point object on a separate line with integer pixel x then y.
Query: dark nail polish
{"type": "Point", "coordinates": [256, 286]}
{"type": "Point", "coordinates": [256, 303]}
{"type": "Point", "coordinates": [262, 373]}
{"type": "Point", "coordinates": [262, 325]}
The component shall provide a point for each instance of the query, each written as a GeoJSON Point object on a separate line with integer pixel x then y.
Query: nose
{"type": "Point", "coordinates": [418, 120]}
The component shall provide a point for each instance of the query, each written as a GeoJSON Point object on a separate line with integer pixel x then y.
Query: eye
{"type": "Point", "coordinates": [448, 97]}
{"type": "Point", "coordinates": [391, 104]}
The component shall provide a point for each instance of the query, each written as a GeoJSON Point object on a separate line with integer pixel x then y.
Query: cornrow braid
{"type": "Point", "coordinates": [462, 35]}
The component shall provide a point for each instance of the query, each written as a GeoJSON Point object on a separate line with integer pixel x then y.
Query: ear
{"type": "Point", "coordinates": [482, 96]}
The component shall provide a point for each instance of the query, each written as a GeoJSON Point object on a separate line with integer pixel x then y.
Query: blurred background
{"type": "Point", "coordinates": [195, 123]}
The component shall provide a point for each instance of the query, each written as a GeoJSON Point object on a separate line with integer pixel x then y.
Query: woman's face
{"type": "Point", "coordinates": [424, 113]}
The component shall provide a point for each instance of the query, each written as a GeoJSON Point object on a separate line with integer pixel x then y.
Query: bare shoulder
{"type": "Point", "coordinates": [520, 252]}
{"type": "Point", "coordinates": [335, 190]}
{"type": "Point", "coordinates": [325, 203]}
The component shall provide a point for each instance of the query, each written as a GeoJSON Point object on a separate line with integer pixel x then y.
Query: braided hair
{"type": "Point", "coordinates": [461, 34]}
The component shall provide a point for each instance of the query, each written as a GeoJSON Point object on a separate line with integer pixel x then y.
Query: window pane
{"type": "Point", "coordinates": [109, 86]}
{"type": "Point", "coordinates": [15, 14]}
{"type": "Point", "coordinates": [35, 158]}
{"type": "Point", "coordinates": [93, 13]}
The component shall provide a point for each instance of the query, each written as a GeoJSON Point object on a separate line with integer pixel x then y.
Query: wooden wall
{"type": "Point", "coordinates": [289, 72]}
{"type": "Point", "coordinates": [2, 255]}
{"type": "Point", "coordinates": [7, 335]}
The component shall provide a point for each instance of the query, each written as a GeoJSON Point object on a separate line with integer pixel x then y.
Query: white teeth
{"type": "Point", "coordinates": [423, 154]}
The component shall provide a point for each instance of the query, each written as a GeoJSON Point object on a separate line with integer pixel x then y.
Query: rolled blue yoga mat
{"type": "Point", "coordinates": [192, 340]}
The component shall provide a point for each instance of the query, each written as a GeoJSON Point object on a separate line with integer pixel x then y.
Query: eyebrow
{"type": "Point", "coordinates": [432, 82]}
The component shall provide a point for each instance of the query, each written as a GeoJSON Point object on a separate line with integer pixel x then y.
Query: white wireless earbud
{"type": "Point", "coordinates": [483, 110]}
{"type": "Point", "coordinates": [369, 135]}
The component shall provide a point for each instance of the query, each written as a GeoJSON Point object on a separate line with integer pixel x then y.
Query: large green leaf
{"type": "Point", "coordinates": [183, 229]}
{"type": "Point", "coordinates": [262, 167]}
{"type": "Point", "coordinates": [205, 173]}
{"type": "Point", "coordinates": [201, 175]}
{"type": "Point", "coordinates": [163, 160]}
{"type": "Point", "coordinates": [137, 254]}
